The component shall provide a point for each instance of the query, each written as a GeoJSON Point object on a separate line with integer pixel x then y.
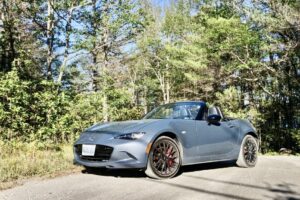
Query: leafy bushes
{"type": "Point", "coordinates": [231, 101]}
{"type": "Point", "coordinates": [38, 119]}
{"type": "Point", "coordinates": [273, 138]}
{"type": "Point", "coordinates": [39, 111]}
{"type": "Point", "coordinates": [30, 110]}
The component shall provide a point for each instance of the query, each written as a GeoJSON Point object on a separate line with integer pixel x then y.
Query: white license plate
{"type": "Point", "coordinates": [88, 150]}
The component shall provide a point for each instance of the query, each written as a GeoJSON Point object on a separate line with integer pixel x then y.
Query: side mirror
{"type": "Point", "coordinates": [214, 115]}
{"type": "Point", "coordinates": [214, 118]}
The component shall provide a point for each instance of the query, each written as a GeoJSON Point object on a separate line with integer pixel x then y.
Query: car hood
{"type": "Point", "coordinates": [120, 127]}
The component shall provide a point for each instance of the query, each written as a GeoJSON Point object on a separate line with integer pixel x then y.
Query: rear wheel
{"type": "Point", "coordinates": [248, 152]}
{"type": "Point", "coordinates": [164, 159]}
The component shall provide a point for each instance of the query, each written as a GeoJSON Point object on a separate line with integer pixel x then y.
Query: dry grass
{"type": "Point", "coordinates": [20, 160]}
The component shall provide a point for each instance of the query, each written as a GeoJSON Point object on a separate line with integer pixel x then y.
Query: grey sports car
{"type": "Point", "coordinates": [170, 136]}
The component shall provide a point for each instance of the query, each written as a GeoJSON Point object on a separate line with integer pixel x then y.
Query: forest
{"type": "Point", "coordinates": [67, 64]}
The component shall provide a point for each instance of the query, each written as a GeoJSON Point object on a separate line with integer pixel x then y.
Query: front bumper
{"type": "Point", "coordinates": [125, 154]}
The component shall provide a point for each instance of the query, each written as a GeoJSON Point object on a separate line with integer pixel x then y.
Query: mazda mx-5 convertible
{"type": "Point", "coordinates": [170, 136]}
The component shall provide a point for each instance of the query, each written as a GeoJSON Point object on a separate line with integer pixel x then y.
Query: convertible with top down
{"type": "Point", "coordinates": [168, 137]}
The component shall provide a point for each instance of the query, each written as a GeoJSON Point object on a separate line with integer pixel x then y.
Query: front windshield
{"type": "Point", "coordinates": [175, 111]}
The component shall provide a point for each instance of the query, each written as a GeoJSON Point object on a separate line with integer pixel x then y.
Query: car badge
{"type": "Point", "coordinates": [91, 139]}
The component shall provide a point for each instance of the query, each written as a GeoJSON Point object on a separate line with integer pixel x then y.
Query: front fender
{"type": "Point", "coordinates": [245, 128]}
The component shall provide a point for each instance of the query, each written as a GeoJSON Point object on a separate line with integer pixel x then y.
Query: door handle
{"type": "Point", "coordinates": [231, 126]}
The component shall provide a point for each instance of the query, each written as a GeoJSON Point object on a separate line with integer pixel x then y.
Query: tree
{"type": "Point", "coordinates": [68, 64]}
{"type": "Point", "coordinates": [111, 26]}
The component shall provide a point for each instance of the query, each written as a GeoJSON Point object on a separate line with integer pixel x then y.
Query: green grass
{"type": "Point", "coordinates": [22, 160]}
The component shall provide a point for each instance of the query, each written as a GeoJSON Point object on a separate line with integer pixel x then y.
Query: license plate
{"type": "Point", "coordinates": [88, 150]}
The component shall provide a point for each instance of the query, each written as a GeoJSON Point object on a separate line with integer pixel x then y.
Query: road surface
{"type": "Point", "coordinates": [276, 177]}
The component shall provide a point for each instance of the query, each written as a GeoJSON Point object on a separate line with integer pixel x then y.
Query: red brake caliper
{"type": "Point", "coordinates": [170, 157]}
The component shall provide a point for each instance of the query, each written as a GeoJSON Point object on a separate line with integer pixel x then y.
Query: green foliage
{"type": "Point", "coordinates": [296, 139]}
{"type": "Point", "coordinates": [86, 110]}
{"type": "Point", "coordinates": [39, 111]}
{"type": "Point", "coordinates": [231, 100]}
{"type": "Point", "coordinates": [15, 102]}
{"type": "Point", "coordinates": [120, 58]}
{"type": "Point", "coordinates": [30, 110]}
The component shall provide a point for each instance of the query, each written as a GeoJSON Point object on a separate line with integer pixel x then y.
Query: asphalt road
{"type": "Point", "coordinates": [276, 177]}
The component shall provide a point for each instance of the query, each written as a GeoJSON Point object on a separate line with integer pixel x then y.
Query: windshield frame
{"type": "Point", "coordinates": [198, 116]}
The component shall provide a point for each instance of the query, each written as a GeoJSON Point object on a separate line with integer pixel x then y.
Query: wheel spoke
{"type": "Point", "coordinates": [165, 159]}
{"type": "Point", "coordinates": [250, 151]}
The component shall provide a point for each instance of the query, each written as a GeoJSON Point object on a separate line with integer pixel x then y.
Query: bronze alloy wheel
{"type": "Point", "coordinates": [164, 158]}
{"type": "Point", "coordinates": [250, 151]}
{"type": "Point", "coordinates": [248, 155]}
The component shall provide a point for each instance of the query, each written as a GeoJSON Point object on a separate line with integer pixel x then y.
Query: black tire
{"type": "Point", "coordinates": [164, 159]}
{"type": "Point", "coordinates": [248, 152]}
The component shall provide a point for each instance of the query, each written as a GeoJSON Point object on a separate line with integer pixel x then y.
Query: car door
{"type": "Point", "coordinates": [185, 129]}
{"type": "Point", "coordinates": [187, 135]}
{"type": "Point", "coordinates": [216, 141]}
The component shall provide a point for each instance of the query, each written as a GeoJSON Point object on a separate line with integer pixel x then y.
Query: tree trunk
{"type": "Point", "coordinates": [161, 78]}
{"type": "Point", "coordinates": [167, 81]}
{"type": "Point", "coordinates": [105, 108]}
{"type": "Point", "coordinates": [8, 46]}
{"type": "Point", "coordinates": [50, 38]}
{"type": "Point", "coordinates": [145, 103]}
{"type": "Point", "coordinates": [95, 73]}
{"type": "Point", "coordinates": [66, 53]}
{"type": "Point", "coordinates": [106, 47]}
{"type": "Point", "coordinates": [163, 88]}
{"type": "Point", "coordinates": [167, 91]}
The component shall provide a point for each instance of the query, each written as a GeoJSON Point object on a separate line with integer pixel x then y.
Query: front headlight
{"type": "Point", "coordinates": [130, 136]}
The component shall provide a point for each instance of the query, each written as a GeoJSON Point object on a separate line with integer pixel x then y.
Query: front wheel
{"type": "Point", "coordinates": [164, 159]}
{"type": "Point", "coordinates": [248, 152]}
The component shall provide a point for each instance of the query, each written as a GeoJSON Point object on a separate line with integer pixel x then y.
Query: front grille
{"type": "Point", "coordinates": [102, 153]}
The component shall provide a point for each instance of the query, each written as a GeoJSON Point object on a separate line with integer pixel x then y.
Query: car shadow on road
{"type": "Point", "coordinates": [206, 166]}
{"type": "Point", "coordinates": [118, 173]}
{"type": "Point", "coordinates": [139, 173]}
